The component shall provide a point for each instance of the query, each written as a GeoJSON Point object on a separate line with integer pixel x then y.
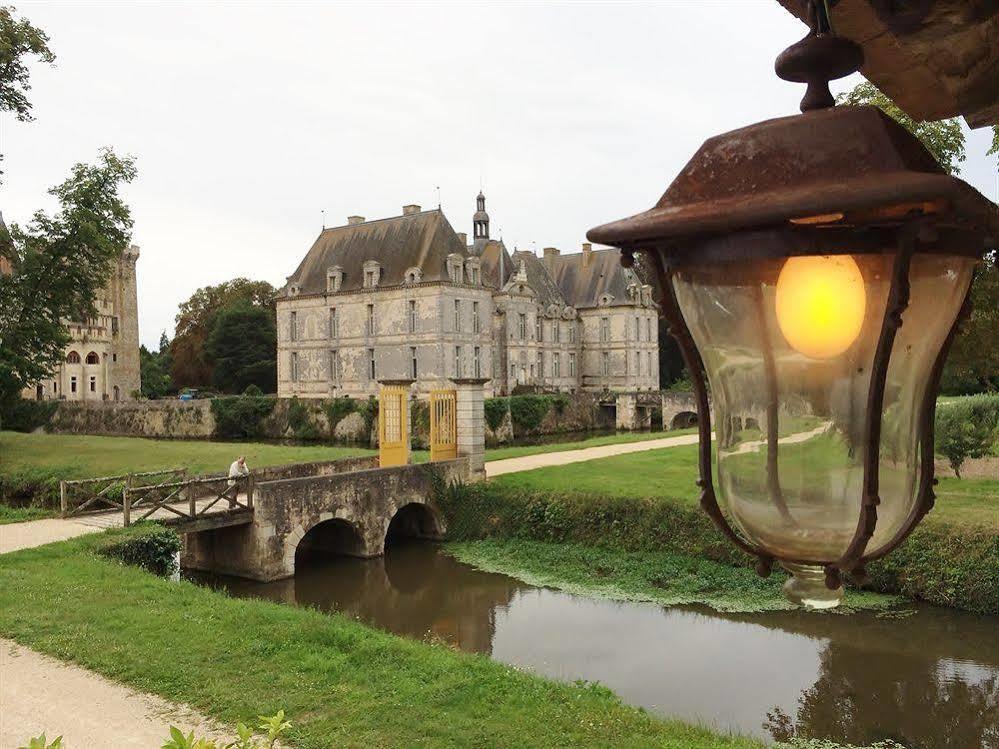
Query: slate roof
{"type": "Point", "coordinates": [423, 239]}
{"type": "Point", "coordinates": [490, 255]}
{"type": "Point", "coordinates": [539, 279]}
{"type": "Point", "coordinates": [583, 286]}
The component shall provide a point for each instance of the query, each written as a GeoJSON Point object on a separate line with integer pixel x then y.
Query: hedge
{"type": "Point", "coordinates": [241, 416]}
{"type": "Point", "coordinates": [20, 415]}
{"type": "Point", "coordinates": [942, 564]}
{"type": "Point", "coordinates": [153, 548]}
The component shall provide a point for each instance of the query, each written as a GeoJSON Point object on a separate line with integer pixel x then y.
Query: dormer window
{"type": "Point", "coordinates": [633, 292]}
{"type": "Point", "coordinates": [334, 279]}
{"type": "Point", "coordinates": [647, 294]}
{"type": "Point", "coordinates": [372, 273]}
{"type": "Point", "coordinates": [414, 275]}
{"type": "Point", "coordinates": [605, 299]}
{"type": "Point", "coordinates": [473, 271]}
{"type": "Point", "coordinates": [454, 267]}
{"type": "Point", "coordinates": [294, 289]}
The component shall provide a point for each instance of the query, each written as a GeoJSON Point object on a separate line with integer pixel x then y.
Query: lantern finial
{"type": "Point", "coordinates": [819, 58]}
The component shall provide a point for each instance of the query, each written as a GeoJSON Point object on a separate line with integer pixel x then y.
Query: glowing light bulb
{"type": "Point", "coordinates": [821, 303]}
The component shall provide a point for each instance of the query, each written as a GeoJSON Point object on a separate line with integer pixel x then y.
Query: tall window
{"type": "Point", "coordinates": [457, 361]}
{"type": "Point", "coordinates": [334, 366]}
{"type": "Point", "coordinates": [572, 331]}
{"type": "Point", "coordinates": [412, 315]}
{"type": "Point", "coordinates": [369, 325]}
{"type": "Point", "coordinates": [476, 362]}
{"type": "Point", "coordinates": [538, 328]}
{"type": "Point", "coordinates": [457, 315]}
{"type": "Point", "coordinates": [638, 363]}
{"type": "Point", "coordinates": [556, 365]}
{"type": "Point", "coordinates": [72, 384]}
{"type": "Point", "coordinates": [648, 328]}
{"type": "Point", "coordinates": [412, 363]}
{"type": "Point", "coordinates": [72, 358]}
{"type": "Point", "coordinates": [556, 331]}
{"type": "Point", "coordinates": [334, 324]}
{"type": "Point", "coordinates": [294, 366]}
{"type": "Point", "coordinates": [604, 329]}
{"type": "Point", "coordinates": [649, 356]}
{"type": "Point", "coordinates": [475, 319]}
{"type": "Point", "coordinates": [293, 327]}
{"type": "Point", "coordinates": [93, 384]}
{"type": "Point", "coordinates": [572, 365]}
{"type": "Point", "coordinates": [541, 365]}
{"type": "Point", "coordinates": [522, 326]}
{"type": "Point", "coordinates": [638, 328]}
{"type": "Point", "coordinates": [372, 375]}
{"type": "Point", "coordinates": [605, 363]}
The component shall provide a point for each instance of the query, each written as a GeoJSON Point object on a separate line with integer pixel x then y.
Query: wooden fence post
{"type": "Point", "coordinates": [126, 503]}
{"type": "Point", "coordinates": [250, 486]}
{"type": "Point", "coordinates": [63, 499]}
{"type": "Point", "coordinates": [192, 507]}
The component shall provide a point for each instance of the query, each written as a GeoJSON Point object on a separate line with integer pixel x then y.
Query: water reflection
{"type": "Point", "coordinates": [928, 680]}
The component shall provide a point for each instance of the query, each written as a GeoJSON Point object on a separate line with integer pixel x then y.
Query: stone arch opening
{"type": "Point", "coordinates": [684, 420]}
{"type": "Point", "coordinates": [414, 521]}
{"type": "Point", "coordinates": [334, 537]}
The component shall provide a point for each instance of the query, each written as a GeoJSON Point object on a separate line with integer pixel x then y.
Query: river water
{"type": "Point", "coordinates": [927, 677]}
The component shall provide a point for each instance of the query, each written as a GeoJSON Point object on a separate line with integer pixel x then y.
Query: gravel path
{"type": "Point", "coordinates": [38, 693]}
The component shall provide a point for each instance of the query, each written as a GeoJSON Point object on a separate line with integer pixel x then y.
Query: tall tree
{"type": "Point", "coordinates": [58, 264]}
{"type": "Point", "coordinates": [973, 362]}
{"type": "Point", "coordinates": [242, 348]}
{"type": "Point", "coordinates": [155, 370]}
{"type": "Point", "coordinates": [196, 318]}
{"type": "Point", "coordinates": [942, 138]}
{"type": "Point", "coordinates": [19, 41]}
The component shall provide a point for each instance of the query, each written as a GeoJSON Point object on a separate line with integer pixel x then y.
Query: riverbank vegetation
{"type": "Point", "coordinates": [660, 577]}
{"type": "Point", "coordinates": [341, 683]}
{"type": "Point", "coordinates": [646, 502]}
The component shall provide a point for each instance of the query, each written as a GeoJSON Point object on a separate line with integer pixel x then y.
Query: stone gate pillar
{"type": "Point", "coordinates": [471, 426]}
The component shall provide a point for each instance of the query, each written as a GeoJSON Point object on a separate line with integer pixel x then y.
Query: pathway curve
{"type": "Point", "coordinates": [40, 694]}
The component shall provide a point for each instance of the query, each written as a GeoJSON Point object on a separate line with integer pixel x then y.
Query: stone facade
{"type": "Point", "coordinates": [102, 357]}
{"type": "Point", "coordinates": [409, 298]}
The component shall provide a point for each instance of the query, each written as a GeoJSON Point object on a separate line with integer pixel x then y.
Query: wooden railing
{"type": "Point", "coordinates": [89, 496]}
{"type": "Point", "coordinates": [181, 498]}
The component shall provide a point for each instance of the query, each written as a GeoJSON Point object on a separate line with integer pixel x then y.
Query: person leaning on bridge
{"type": "Point", "coordinates": [237, 471]}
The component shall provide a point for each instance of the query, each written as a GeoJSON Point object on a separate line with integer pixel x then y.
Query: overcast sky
{"type": "Point", "coordinates": [248, 120]}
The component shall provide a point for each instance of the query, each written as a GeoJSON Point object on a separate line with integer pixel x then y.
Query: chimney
{"type": "Point", "coordinates": [409, 210]}
{"type": "Point", "coordinates": [352, 220]}
{"type": "Point", "coordinates": [550, 253]}
{"type": "Point", "coordinates": [463, 238]}
{"type": "Point", "coordinates": [587, 254]}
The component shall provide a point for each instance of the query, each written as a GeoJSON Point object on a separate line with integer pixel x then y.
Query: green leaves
{"type": "Point", "coordinates": [272, 726]}
{"type": "Point", "coordinates": [242, 348]}
{"type": "Point", "coordinates": [18, 41]}
{"type": "Point", "coordinates": [40, 743]}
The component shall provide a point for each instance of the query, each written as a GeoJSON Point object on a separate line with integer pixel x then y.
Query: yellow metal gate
{"type": "Point", "coordinates": [443, 425]}
{"type": "Point", "coordinates": [393, 433]}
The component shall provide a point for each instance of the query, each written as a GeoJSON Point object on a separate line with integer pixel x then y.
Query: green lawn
{"type": "Point", "coordinates": [81, 456]}
{"type": "Point", "coordinates": [671, 472]}
{"type": "Point", "coordinates": [501, 453]}
{"type": "Point", "coordinates": [20, 514]}
{"type": "Point", "coordinates": [341, 683]}
{"type": "Point", "coordinates": [659, 576]}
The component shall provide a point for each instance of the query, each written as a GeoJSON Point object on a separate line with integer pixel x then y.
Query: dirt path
{"type": "Point", "coordinates": [38, 693]}
{"type": "Point", "coordinates": [543, 460]}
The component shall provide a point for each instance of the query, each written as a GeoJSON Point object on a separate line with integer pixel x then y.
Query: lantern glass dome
{"type": "Point", "coordinates": [789, 358]}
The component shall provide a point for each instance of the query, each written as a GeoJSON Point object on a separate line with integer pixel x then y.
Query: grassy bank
{"type": "Point", "coordinates": [341, 683]}
{"type": "Point", "coordinates": [21, 514]}
{"type": "Point", "coordinates": [624, 438]}
{"type": "Point", "coordinates": [952, 564]}
{"type": "Point", "coordinates": [657, 576]}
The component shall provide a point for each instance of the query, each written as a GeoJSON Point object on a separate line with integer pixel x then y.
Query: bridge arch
{"type": "Point", "coordinates": [332, 533]}
{"type": "Point", "coordinates": [683, 420]}
{"type": "Point", "coordinates": [414, 520]}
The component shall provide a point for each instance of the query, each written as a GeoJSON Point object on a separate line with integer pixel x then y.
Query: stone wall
{"type": "Point", "coordinates": [173, 419]}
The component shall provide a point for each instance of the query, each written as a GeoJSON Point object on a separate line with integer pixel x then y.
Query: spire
{"type": "Point", "coordinates": [480, 221]}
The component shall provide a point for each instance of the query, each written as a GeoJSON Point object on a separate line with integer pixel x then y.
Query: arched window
{"type": "Point", "coordinates": [93, 358]}
{"type": "Point", "coordinates": [72, 358]}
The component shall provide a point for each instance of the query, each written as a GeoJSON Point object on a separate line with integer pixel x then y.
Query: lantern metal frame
{"type": "Point", "coordinates": [833, 180]}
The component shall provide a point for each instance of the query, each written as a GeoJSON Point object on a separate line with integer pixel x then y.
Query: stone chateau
{"type": "Point", "coordinates": [409, 298]}
{"type": "Point", "coordinates": [102, 357]}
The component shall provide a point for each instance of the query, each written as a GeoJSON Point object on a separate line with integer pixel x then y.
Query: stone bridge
{"type": "Point", "coordinates": [679, 409]}
{"type": "Point", "coordinates": [349, 511]}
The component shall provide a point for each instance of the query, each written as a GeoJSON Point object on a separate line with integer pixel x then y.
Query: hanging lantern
{"type": "Point", "coordinates": [814, 270]}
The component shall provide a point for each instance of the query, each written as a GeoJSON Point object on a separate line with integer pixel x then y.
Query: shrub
{"type": "Point", "coordinates": [495, 409]}
{"type": "Point", "coordinates": [241, 416]}
{"type": "Point", "coordinates": [337, 410]}
{"type": "Point", "coordinates": [300, 421]}
{"type": "Point", "coordinates": [528, 411]}
{"type": "Point", "coordinates": [966, 429]}
{"type": "Point", "coordinates": [35, 487]}
{"type": "Point", "coordinates": [20, 415]}
{"type": "Point", "coordinates": [154, 550]}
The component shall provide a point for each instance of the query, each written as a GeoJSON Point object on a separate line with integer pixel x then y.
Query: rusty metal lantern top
{"type": "Point", "coordinates": [847, 201]}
